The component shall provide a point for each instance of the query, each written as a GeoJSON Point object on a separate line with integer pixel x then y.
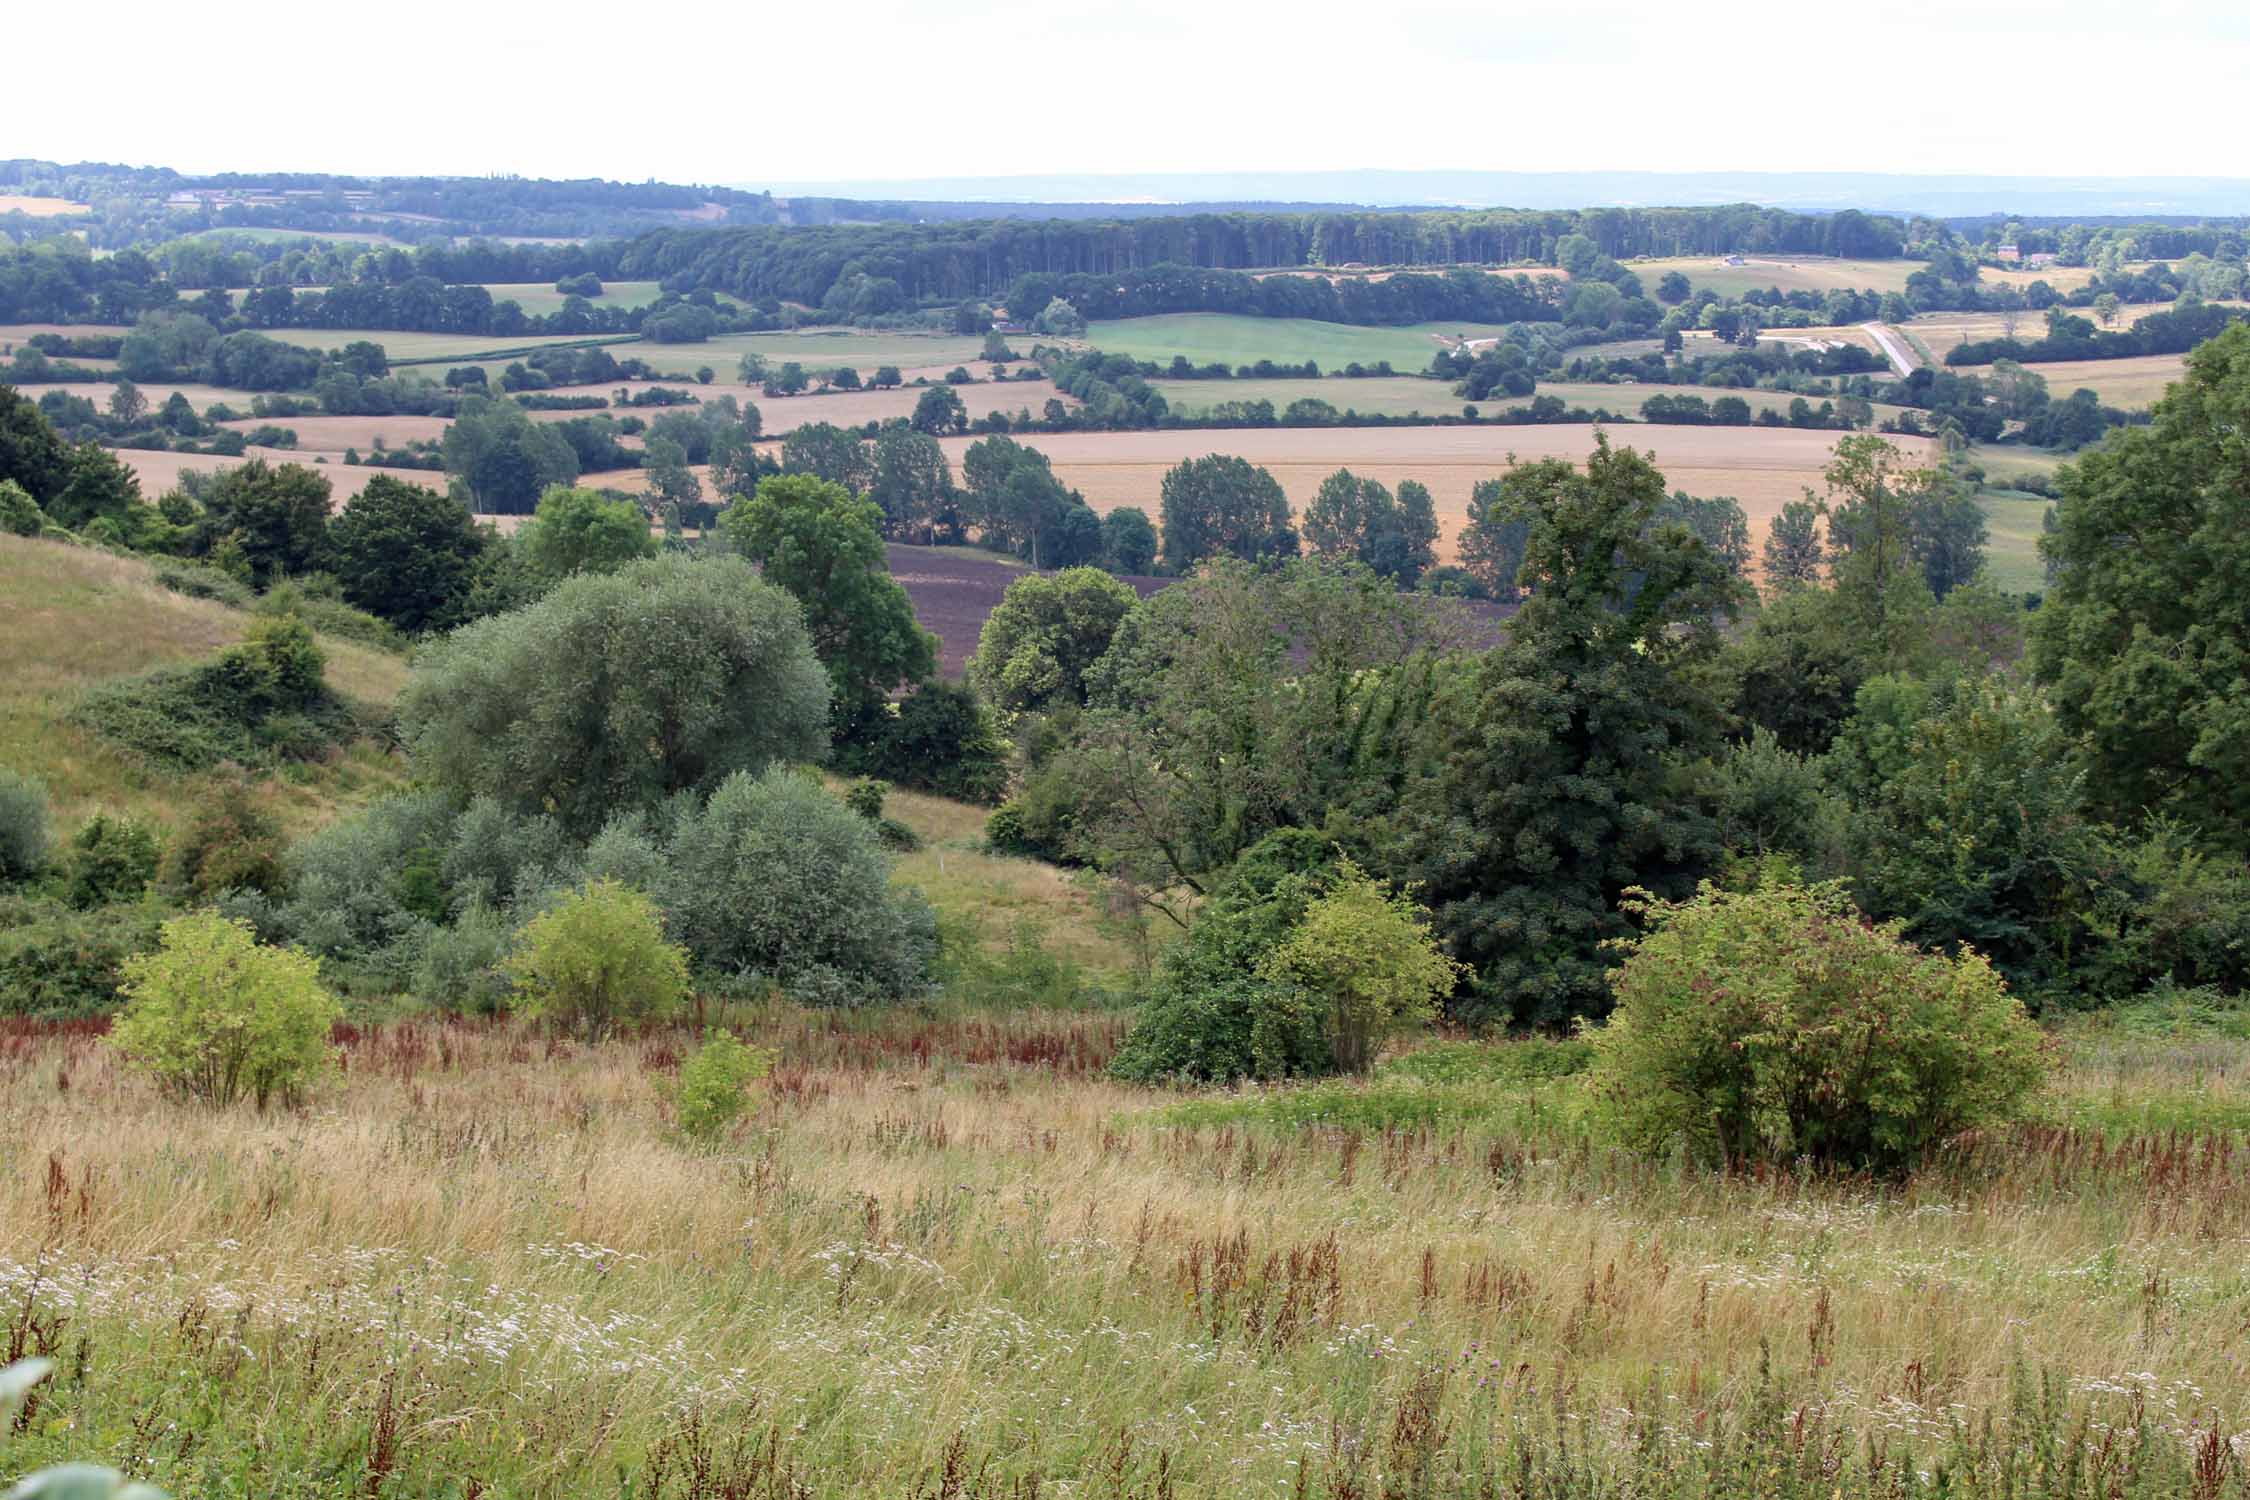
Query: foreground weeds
{"type": "Point", "coordinates": [942, 1257]}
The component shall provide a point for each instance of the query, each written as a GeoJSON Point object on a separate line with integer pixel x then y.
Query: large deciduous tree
{"type": "Point", "coordinates": [617, 691]}
{"type": "Point", "coordinates": [1224, 506]}
{"type": "Point", "coordinates": [406, 553]}
{"type": "Point", "coordinates": [1045, 634]}
{"type": "Point", "coordinates": [2144, 639]}
{"type": "Point", "coordinates": [1561, 779]}
{"type": "Point", "coordinates": [824, 545]}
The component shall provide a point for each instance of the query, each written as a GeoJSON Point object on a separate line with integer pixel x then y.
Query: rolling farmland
{"type": "Point", "coordinates": [1792, 273]}
{"type": "Point", "coordinates": [2129, 383]}
{"type": "Point", "coordinates": [1762, 467]}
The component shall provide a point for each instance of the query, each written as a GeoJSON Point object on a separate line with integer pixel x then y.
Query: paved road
{"type": "Point", "coordinates": [1892, 346]}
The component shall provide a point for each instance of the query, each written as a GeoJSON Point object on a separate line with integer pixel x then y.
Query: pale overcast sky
{"type": "Point", "coordinates": [758, 92]}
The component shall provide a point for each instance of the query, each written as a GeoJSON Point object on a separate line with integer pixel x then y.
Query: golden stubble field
{"type": "Point", "coordinates": [1763, 468]}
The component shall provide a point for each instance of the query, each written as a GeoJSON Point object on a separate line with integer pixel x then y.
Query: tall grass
{"type": "Point", "coordinates": [942, 1256]}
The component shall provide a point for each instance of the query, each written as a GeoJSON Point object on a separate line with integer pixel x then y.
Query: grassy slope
{"type": "Point", "coordinates": [1238, 340]}
{"type": "Point", "coordinates": [72, 616]}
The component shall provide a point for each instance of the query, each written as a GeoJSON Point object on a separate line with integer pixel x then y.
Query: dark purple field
{"type": "Point", "coordinates": [954, 590]}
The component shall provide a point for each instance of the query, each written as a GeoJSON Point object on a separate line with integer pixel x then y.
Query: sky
{"type": "Point", "coordinates": [757, 93]}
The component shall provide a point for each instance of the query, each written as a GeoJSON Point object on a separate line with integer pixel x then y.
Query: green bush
{"type": "Point", "coordinates": [709, 1098]}
{"type": "Point", "coordinates": [361, 890]}
{"type": "Point", "coordinates": [1778, 1023]}
{"type": "Point", "coordinates": [214, 1015]}
{"type": "Point", "coordinates": [59, 964]}
{"type": "Point", "coordinates": [938, 739]}
{"type": "Point", "coordinates": [26, 831]}
{"type": "Point", "coordinates": [201, 581]}
{"type": "Point", "coordinates": [865, 797]}
{"type": "Point", "coordinates": [261, 700]}
{"type": "Point", "coordinates": [290, 599]}
{"type": "Point", "coordinates": [110, 859]}
{"type": "Point", "coordinates": [463, 967]}
{"type": "Point", "coordinates": [596, 961]}
{"type": "Point", "coordinates": [232, 844]}
{"type": "Point", "coordinates": [1210, 1016]}
{"type": "Point", "coordinates": [774, 879]}
{"type": "Point", "coordinates": [20, 515]}
{"type": "Point", "coordinates": [1366, 957]}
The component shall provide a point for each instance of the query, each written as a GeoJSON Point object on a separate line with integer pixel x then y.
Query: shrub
{"type": "Point", "coordinates": [598, 960]}
{"type": "Point", "coordinates": [1211, 1016]}
{"type": "Point", "coordinates": [709, 1099]}
{"type": "Point", "coordinates": [20, 515]}
{"type": "Point", "coordinates": [260, 700]}
{"type": "Point", "coordinates": [1367, 958]}
{"type": "Point", "coordinates": [1778, 1023]}
{"type": "Point", "coordinates": [938, 740]}
{"type": "Point", "coordinates": [59, 964]}
{"type": "Point", "coordinates": [232, 845]}
{"type": "Point", "coordinates": [215, 1016]}
{"type": "Point", "coordinates": [358, 889]}
{"type": "Point", "coordinates": [111, 859]}
{"type": "Point", "coordinates": [865, 797]}
{"type": "Point", "coordinates": [26, 831]}
{"type": "Point", "coordinates": [201, 581]}
{"type": "Point", "coordinates": [464, 967]}
{"type": "Point", "coordinates": [775, 879]}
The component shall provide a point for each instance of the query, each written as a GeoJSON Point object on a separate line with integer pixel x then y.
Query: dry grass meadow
{"type": "Point", "coordinates": [2128, 383]}
{"type": "Point", "coordinates": [41, 208]}
{"type": "Point", "coordinates": [1763, 468]}
{"type": "Point", "coordinates": [942, 1256]}
{"type": "Point", "coordinates": [159, 472]}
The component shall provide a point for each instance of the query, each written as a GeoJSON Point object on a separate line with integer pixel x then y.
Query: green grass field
{"type": "Point", "coordinates": [402, 346]}
{"type": "Point", "coordinates": [1792, 273]}
{"type": "Point", "coordinates": [1240, 340]}
{"type": "Point", "coordinates": [1404, 396]}
{"type": "Point", "coordinates": [2011, 555]}
{"type": "Point", "coordinates": [539, 298]}
{"type": "Point", "coordinates": [819, 349]}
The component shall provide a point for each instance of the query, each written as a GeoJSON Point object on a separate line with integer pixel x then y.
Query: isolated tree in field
{"type": "Point", "coordinates": [597, 962]}
{"type": "Point", "coordinates": [824, 545]}
{"type": "Point", "coordinates": [2106, 307]}
{"type": "Point", "coordinates": [1341, 514]}
{"type": "Point", "coordinates": [583, 531]}
{"type": "Point", "coordinates": [126, 403]}
{"type": "Point", "coordinates": [1558, 785]}
{"type": "Point", "coordinates": [1672, 289]}
{"type": "Point", "coordinates": [939, 410]}
{"type": "Point", "coordinates": [277, 516]}
{"type": "Point", "coordinates": [886, 377]}
{"type": "Point", "coordinates": [2143, 638]}
{"type": "Point", "coordinates": [1367, 957]}
{"type": "Point", "coordinates": [406, 553]}
{"type": "Point", "coordinates": [1047, 631]}
{"type": "Point", "coordinates": [617, 690]}
{"type": "Point", "coordinates": [996, 350]}
{"type": "Point", "coordinates": [217, 1016]}
{"type": "Point", "coordinates": [1222, 505]}
{"type": "Point", "coordinates": [1794, 555]}
{"type": "Point", "coordinates": [828, 452]}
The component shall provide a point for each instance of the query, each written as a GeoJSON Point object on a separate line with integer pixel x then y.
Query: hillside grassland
{"type": "Point", "coordinates": [943, 1256]}
{"type": "Point", "coordinates": [2014, 522]}
{"type": "Point", "coordinates": [71, 617]}
{"type": "Point", "coordinates": [539, 298]}
{"type": "Point", "coordinates": [417, 346]}
{"type": "Point", "coordinates": [1238, 339]}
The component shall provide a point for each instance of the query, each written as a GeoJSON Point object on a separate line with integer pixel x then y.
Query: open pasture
{"type": "Point", "coordinates": [822, 349]}
{"type": "Point", "coordinates": [2129, 383]}
{"type": "Point", "coordinates": [1941, 331]}
{"type": "Point", "coordinates": [1791, 273]}
{"type": "Point", "coordinates": [2014, 525]}
{"type": "Point", "coordinates": [1237, 339]}
{"type": "Point", "coordinates": [1764, 468]}
{"type": "Point", "coordinates": [331, 436]}
{"type": "Point", "coordinates": [19, 333]}
{"type": "Point", "coordinates": [400, 345]}
{"type": "Point", "coordinates": [943, 1245]}
{"type": "Point", "coordinates": [539, 298]}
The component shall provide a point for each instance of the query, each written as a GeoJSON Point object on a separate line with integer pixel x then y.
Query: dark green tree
{"type": "Point", "coordinates": [827, 452]}
{"type": "Point", "coordinates": [1794, 555]}
{"type": "Point", "coordinates": [1128, 540]}
{"type": "Point", "coordinates": [1560, 783]}
{"type": "Point", "coordinates": [1224, 506]}
{"type": "Point", "coordinates": [277, 515]}
{"type": "Point", "coordinates": [2144, 639]}
{"type": "Point", "coordinates": [939, 410]}
{"type": "Point", "coordinates": [1046, 632]}
{"type": "Point", "coordinates": [406, 553]}
{"type": "Point", "coordinates": [824, 545]}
